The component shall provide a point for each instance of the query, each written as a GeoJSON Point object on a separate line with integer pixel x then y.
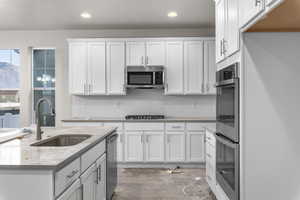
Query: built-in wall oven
{"type": "Point", "coordinates": [227, 135]}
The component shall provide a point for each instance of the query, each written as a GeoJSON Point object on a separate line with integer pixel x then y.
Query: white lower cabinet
{"type": "Point", "coordinates": [88, 181]}
{"type": "Point", "coordinates": [175, 146]}
{"type": "Point", "coordinates": [195, 146]}
{"type": "Point", "coordinates": [101, 178]}
{"type": "Point", "coordinates": [154, 146]}
{"type": "Point", "coordinates": [134, 146]}
{"type": "Point", "coordinates": [210, 160]}
{"type": "Point", "coordinates": [72, 193]}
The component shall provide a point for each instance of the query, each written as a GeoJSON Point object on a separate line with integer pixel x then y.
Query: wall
{"type": "Point", "coordinates": [144, 102]}
{"type": "Point", "coordinates": [270, 133]}
{"type": "Point", "coordinates": [57, 38]}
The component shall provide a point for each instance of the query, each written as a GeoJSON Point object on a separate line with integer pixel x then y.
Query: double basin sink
{"type": "Point", "coordinates": [62, 140]}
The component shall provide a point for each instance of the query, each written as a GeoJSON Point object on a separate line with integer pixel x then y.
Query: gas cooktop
{"type": "Point", "coordinates": [144, 117]}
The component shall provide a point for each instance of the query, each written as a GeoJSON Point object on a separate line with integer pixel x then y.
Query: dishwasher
{"type": "Point", "coordinates": [111, 165]}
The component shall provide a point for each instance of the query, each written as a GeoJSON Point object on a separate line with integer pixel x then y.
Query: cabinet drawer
{"type": "Point", "coordinates": [175, 126]}
{"type": "Point", "coordinates": [194, 127]}
{"type": "Point", "coordinates": [91, 155]}
{"type": "Point", "coordinates": [144, 126]}
{"type": "Point", "coordinates": [66, 176]}
{"type": "Point", "coordinates": [119, 125]}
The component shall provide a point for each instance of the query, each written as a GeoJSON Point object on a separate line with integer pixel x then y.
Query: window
{"type": "Point", "coordinates": [43, 61]}
{"type": "Point", "coordinates": [9, 88]}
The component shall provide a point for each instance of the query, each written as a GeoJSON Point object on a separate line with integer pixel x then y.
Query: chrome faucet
{"type": "Point", "coordinates": [37, 116]}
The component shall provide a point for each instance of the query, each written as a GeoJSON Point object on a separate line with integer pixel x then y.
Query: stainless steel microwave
{"type": "Point", "coordinates": [145, 77]}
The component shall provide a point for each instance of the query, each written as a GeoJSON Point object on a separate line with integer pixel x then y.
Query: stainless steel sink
{"type": "Point", "coordinates": [62, 140]}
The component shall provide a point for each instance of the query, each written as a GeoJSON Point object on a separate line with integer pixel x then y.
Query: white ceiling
{"type": "Point", "coordinates": [65, 14]}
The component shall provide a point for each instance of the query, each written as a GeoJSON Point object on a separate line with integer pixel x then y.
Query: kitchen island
{"type": "Point", "coordinates": [55, 168]}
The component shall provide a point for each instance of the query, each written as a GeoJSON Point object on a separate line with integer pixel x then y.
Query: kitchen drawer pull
{"type": "Point", "coordinates": [176, 126]}
{"type": "Point", "coordinates": [208, 155]}
{"type": "Point", "coordinates": [72, 173]}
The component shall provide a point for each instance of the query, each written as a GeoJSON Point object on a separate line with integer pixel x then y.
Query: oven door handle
{"type": "Point", "coordinates": [227, 82]}
{"type": "Point", "coordinates": [226, 141]}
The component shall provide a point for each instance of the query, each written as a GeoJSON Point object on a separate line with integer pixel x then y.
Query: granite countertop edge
{"type": "Point", "coordinates": [63, 163]}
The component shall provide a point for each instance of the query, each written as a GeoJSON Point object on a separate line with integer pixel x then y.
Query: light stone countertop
{"type": "Point", "coordinates": [18, 154]}
{"type": "Point", "coordinates": [211, 127]}
{"type": "Point", "coordinates": [167, 119]}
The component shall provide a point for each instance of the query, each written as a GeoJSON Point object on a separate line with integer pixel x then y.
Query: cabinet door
{"type": "Point", "coordinates": [220, 29]}
{"type": "Point", "coordinates": [135, 53]}
{"type": "Point", "coordinates": [115, 68]}
{"type": "Point", "coordinates": [232, 28]}
{"type": "Point", "coordinates": [249, 9]}
{"type": "Point", "coordinates": [88, 181]}
{"type": "Point", "coordinates": [174, 68]}
{"type": "Point", "coordinates": [97, 68]}
{"type": "Point", "coordinates": [74, 192]}
{"type": "Point", "coordinates": [155, 53]}
{"type": "Point", "coordinates": [175, 146]}
{"type": "Point", "coordinates": [195, 146]}
{"type": "Point", "coordinates": [78, 67]}
{"type": "Point", "coordinates": [193, 67]}
{"type": "Point", "coordinates": [101, 178]}
{"type": "Point", "coordinates": [134, 146]}
{"type": "Point", "coordinates": [154, 146]}
{"type": "Point", "coordinates": [210, 67]}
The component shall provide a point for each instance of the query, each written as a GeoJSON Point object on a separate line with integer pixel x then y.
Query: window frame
{"type": "Point", "coordinates": [40, 88]}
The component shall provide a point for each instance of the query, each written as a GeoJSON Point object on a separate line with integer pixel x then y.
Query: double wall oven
{"type": "Point", "coordinates": [227, 135]}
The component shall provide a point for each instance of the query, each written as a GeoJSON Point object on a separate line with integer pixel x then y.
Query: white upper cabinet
{"type": "Point", "coordinates": [115, 68]}
{"type": "Point", "coordinates": [232, 39]}
{"type": "Point", "coordinates": [78, 67]}
{"type": "Point", "coordinates": [155, 53]}
{"type": "Point", "coordinates": [96, 68]}
{"type": "Point", "coordinates": [227, 28]}
{"type": "Point", "coordinates": [151, 53]}
{"type": "Point", "coordinates": [249, 9]}
{"type": "Point", "coordinates": [174, 67]}
{"type": "Point", "coordinates": [220, 29]}
{"type": "Point", "coordinates": [135, 54]}
{"type": "Point", "coordinates": [210, 67]}
{"type": "Point", "coordinates": [193, 67]}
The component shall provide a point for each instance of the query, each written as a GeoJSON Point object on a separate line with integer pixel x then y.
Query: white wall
{"type": "Point", "coordinates": [144, 102]}
{"type": "Point", "coordinates": [271, 107]}
{"type": "Point", "coordinates": [26, 39]}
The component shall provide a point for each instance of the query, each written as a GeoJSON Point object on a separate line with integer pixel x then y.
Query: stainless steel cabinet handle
{"type": "Point", "coordinates": [257, 3]}
{"type": "Point", "coordinates": [221, 47]}
{"type": "Point", "coordinates": [72, 174]}
{"type": "Point", "coordinates": [224, 46]}
{"type": "Point", "coordinates": [147, 60]}
{"type": "Point", "coordinates": [142, 60]}
{"type": "Point", "coordinates": [97, 177]}
{"type": "Point", "coordinates": [141, 139]}
{"type": "Point", "coordinates": [99, 173]}
{"type": "Point", "coordinates": [207, 87]}
{"type": "Point", "coordinates": [176, 127]}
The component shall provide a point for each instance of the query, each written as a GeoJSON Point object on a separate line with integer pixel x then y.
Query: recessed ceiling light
{"type": "Point", "coordinates": [172, 14]}
{"type": "Point", "coordinates": [86, 15]}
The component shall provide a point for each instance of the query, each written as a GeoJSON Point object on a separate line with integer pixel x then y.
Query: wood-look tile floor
{"type": "Point", "coordinates": [158, 184]}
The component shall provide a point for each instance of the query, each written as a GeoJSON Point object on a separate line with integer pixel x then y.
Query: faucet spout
{"type": "Point", "coordinates": [38, 115]}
